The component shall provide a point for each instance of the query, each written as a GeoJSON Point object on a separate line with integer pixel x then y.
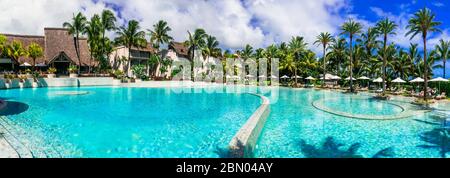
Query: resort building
{"type": "Point", "coordinates": [175, 51]}
{"type": "Point", "coordinates": [118, 58]}
{"type": "Point", "coordinates": [58, 47]}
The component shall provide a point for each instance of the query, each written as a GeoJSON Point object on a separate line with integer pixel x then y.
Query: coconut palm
{"type": "Point", "coordinates": [195, 41]}
{"type": "Point", "coordinates": [385, 27]}
{"type": "Point", "coordinates": [16, 50]}
{"type": "Point", "coordinates": [108, 23]}
{"type": "Point", "coordinates": [76, 28]}
{"type": "Point", "coordinates": [211, 47]}
{"type": "Point", "coordinates": [351, 28]}
{"type": "Point", "coordinates": [324, 39]}
{"type": "Point", "coordinates": [338, 53]}
{"type": "Point", "coordinates": [3, 45]}
{"type": "Point", "coordinates": [160, 34]}
{"type": "Point", "coordinates": [443, 52]}
{"type": "Point", "coordinates": [247, 52]}
{"type": "Point", "coordinates": [131, 36]}
{"type": "Point", "coordinates": [35, 51]}
{"type": "Point", "coordinates": [290, 65]}
{"type": "Point", "coordinates": [423, 22]}
{"type": "Point", "coordinates": [93, 31]}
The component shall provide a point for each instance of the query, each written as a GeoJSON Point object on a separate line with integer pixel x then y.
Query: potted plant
{"type": "Point", "coordinates": [22, 81]}
{"type": "Point", "coordinates": [11, 80]}
{"type": "Point", "coordinates": [51, 72]}
{"type": "Point", "coordinates": [28, 73]}
{"type": "Point", "coordinates": [36, 77]}
{"type": "Point", "coordinates": [73, 71]}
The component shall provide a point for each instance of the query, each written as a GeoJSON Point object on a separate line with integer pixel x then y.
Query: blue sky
{"type": "Point", "coordinates": [235, 23]}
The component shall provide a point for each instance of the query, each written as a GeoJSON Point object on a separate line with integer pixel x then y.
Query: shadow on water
{"type": "Point", "coordinates": [13, 108]}
{"type": "Point", "coordinates": [332, 149]}
{"type": "Point", "coordinates": [437, 138]}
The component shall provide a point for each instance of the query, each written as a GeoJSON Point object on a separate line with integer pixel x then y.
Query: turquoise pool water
{"type": "Point", "coordinates": [295, 129]}
{"type": "Point", "coordinates": [139, 122]}
{"type": "Point", "coordinates": [127, 122]}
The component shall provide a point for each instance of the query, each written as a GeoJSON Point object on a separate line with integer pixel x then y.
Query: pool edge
{"type": "Point", "coordinates": [244, 142]}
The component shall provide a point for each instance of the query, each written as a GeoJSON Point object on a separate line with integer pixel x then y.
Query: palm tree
{"type": "Point", "coordinates": [324, 39]}
{"type": "Point", "coordinates": [338, 52]}
{"type": "Point", "coordinates": [194, 42]}
{"type": "Point", "coordinates": [15, 50]}
{"type": "Point", "coordinates": [3, 45]}
{"type": "Point", "coordinates": [385, 27]}
{"type": "Point", "coordinates": [211, 47]}
{"type": "Point", "coordinates": [423, 22]}
{"type": "Point", "coordinates": [290, 64]}
{"type": "Point", "coordinates": [443, 52]}
{"type": "Point", "coordinates": [35, 51]}
{"type": "Point", "coordinates": [76, 28]}
{"type": "Point", "coordinates": [159, 36]}
{"type": "Point", "coordinates": [247, 52]}
{"type": "Point", "coordinates": [131, 36]}
{"type": "Point", "coordinates": [351, 28]}
{"type": "Point", "coordinates": [108, 23]}
{"type": "Point", "coordinates": [93, 30]}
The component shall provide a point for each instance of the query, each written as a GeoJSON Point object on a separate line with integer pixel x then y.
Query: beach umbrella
{"type": "Point", "coordinates": [273, 76]}
{"type": "Point", "coordinates": [363, 78]}
{"type": "Point", "coordinates": [284, 77]}
{"type": "Point", "coordinates": [439, 80]}
{"type": "Point", "coordinates": [310, 78]}
{"type": "Point", "coordinates": [25, 64]}
{"type": "Point", "coordinates": [335, 77]}
{"type": "Point", "coordinates": [417, 80]}
{"type": "Point", "coordinates": [249, 76]}
{"type": "Point", "coordinates": [348, 78]}
{"type": "Point", "coordinates": [378, 80]}
{"type": "Point", "coordinates": [262, 76]}
{"type": "Point", "coordinates": [398, 80]}
{"type": "Point", "coordinates": [41, 65]}
{"type": "Point", "coordinates": [296, 76]}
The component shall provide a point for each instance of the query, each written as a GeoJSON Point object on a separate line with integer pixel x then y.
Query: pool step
{"type": "Point", "coordinates": [31, 143]}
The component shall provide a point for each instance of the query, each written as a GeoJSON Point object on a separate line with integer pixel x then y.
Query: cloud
{"type": "Point", "coordinates": [234, 22]}
{"type": "Point", "coordinates": [30, 16]}
{"type": "Point", "coordinates": [438, 4]}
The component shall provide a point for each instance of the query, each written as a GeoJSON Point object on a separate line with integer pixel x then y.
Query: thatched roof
{"type": "Point", "coordinates": [180, 48]}
{"type": "Point", "coordinates": [148, 48]}
{"type": "Point", "coordinates": [54, 42]}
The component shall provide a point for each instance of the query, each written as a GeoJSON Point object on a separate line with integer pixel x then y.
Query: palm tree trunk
{"type": "Point", "coordinates": [425, 93]}
{"type": "Point", "coordinates": [295, 77]}
{"type": "Point", "coordinates": [129, 61]}
{"type": "Point", "coordinates": [324, 65]}
{"type": "Point", "coordinates": [77, 50]}
{"type": "Point", "coordinates": [351, 64]}
{"type": "Point", "coordinates": [445, 58]}
{"type": "Point", "coordinates": [384, 65]}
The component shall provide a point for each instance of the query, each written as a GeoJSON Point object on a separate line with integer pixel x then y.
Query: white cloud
{"type": "Point", "coordinates": [231, 21]}
{"type": "Point", "coordinates": [31, 16]}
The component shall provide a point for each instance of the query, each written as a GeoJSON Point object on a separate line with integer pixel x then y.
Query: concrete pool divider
{"type": "Point", "coordinates": [244, 142]}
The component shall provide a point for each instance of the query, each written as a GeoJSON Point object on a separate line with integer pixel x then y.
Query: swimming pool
{"type": "Point", "coordinates": [127, 122]}
{"type": "Point", "coordinates": [296, 129]}
{"type": "Point", "coordinates": [144, 122]}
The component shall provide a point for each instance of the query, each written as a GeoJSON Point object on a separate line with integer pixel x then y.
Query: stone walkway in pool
{"type": "Point", "coordinates": [408, 109]}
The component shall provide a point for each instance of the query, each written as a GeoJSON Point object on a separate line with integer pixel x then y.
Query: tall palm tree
{"type": "Point", "coordinates": [15, 50]}
{"type": "Point", "coordinates": [423, 22]}
{"type": "Point", "coordinates": [35, 51]}
{"type": "Point", "coordinates": [247, 52]}
{"type": "Point", "coordinates": [351, 28]}
{"type": "Point", "coordinates": [159, 36]}
{"type": "Point", "coordinates": [443, 52]}
{"type": "Point", "coordinates": [324, 39]}
{"type": "Point", "coordinates": [76, 28]}
{"type": "Point", "coordinates": [290, 64]}
{"type": "Point", "coordinates": [3, 45]}
{"type": "Point", "coordinates": [93, 30]}
{"type": "Point", "coordinates": [211, 48]}
{"type": "Point", "coordinates": [195, 41]}
{"type": "Point", "coordinates": [338, 52]}
{"type": "Point", "coordinates": [131, 36]}
{"type": "Point", "coordinates": [108, 23]}
{"type": "Point", "coordinates": [385, 27]}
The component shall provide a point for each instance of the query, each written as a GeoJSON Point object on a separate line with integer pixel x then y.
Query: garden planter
{"type": "Point", "coordinates": [51, 75]}
{"type": "Point", "coordinates": [73, 75]}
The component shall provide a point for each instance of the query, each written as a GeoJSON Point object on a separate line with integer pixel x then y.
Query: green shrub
{"type": "Point", "coordinates": [139, 71]}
